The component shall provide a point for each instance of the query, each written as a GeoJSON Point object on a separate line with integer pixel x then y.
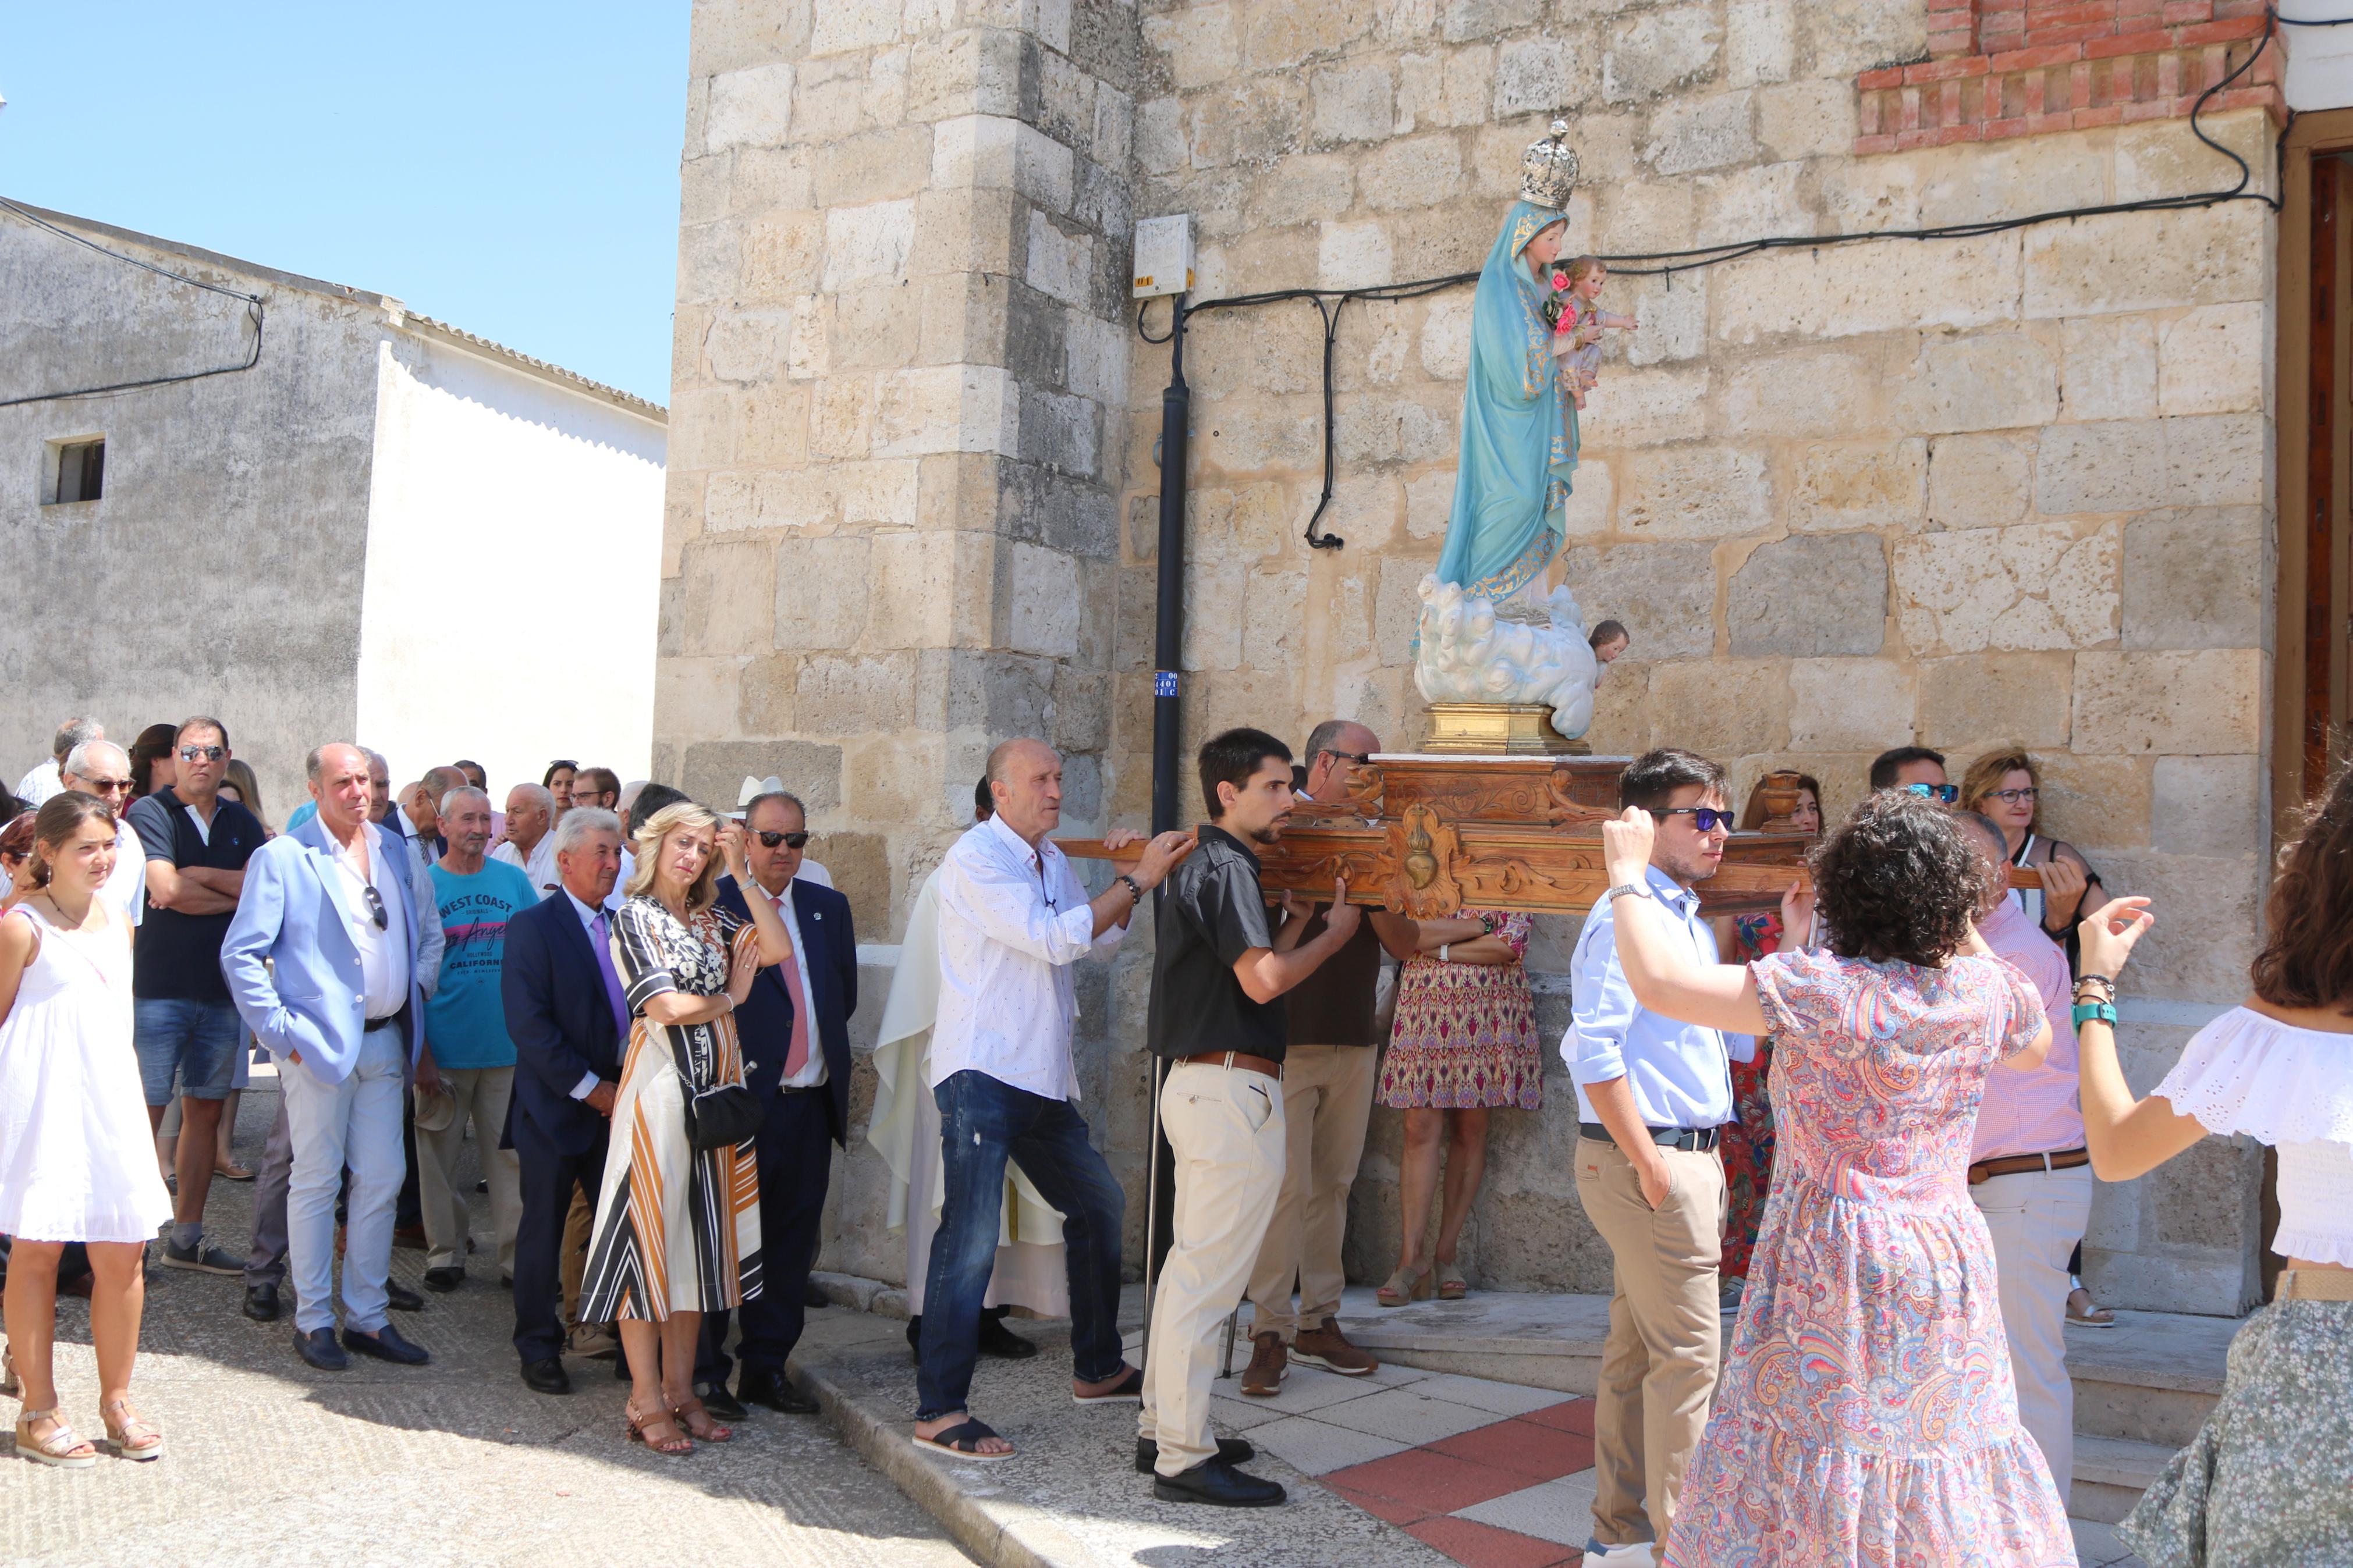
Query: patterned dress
{"type": "Point", "coordinates": [676, 1231]}
{"type": "Point", "coordinates": [1866, 1412]}
{"type": "Point", "coordinates": [1747, 1138]}
{"type": "Point", "coordinates": [1465, 1034]}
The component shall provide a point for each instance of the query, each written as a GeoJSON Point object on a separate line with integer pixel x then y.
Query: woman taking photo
{"type": "Point", "coordinates": [2269, 1479]}
{"type": "Point", "coordinates": [77, 1158]}
{"type": "Point", "coordinates": [1866, 1411]}
{"type": "Point", "coordinates": [1464, 1042]}
{"type": "Point", "coordinates": [678, 1230]}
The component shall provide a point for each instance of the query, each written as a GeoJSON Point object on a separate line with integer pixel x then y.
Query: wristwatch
{"type": "Point", "coordinates": [1623, 888]}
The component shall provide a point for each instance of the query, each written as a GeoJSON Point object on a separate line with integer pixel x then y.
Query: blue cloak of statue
{"type": "Point", "coordinates": [1517, 449]}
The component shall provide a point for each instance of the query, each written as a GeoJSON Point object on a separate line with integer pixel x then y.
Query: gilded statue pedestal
{"type": "Point", "coordinates": [1498, 730]}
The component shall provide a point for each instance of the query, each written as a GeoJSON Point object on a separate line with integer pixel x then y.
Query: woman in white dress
{"type": "Point", "coordinates": [77, 1160]}
{"type": "Point", "coordinates": [2269, 1479]}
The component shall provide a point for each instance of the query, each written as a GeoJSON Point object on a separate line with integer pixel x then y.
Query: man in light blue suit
{"type": "Point", "coordinates": [324, 963]}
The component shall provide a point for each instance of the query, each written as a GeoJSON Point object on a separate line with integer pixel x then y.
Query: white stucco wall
{"type": "Point", "coordinates": [513, 558]}
{"type": "Point", "coordinates": [2319, 60]}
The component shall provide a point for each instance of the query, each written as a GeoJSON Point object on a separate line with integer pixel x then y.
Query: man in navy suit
{"type": "Point", "coordinates": [566, 1014]}
{"type": "Point", "coordinates": [796, 1035]}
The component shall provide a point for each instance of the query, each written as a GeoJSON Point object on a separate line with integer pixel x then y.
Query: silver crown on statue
{"type": "Point", "coordinates": [1548, 172]}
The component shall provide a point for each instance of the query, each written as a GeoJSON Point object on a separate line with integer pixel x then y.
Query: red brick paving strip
{"type": "Point", "coordinates": [1524, 1447]}
{"type": "Point", "coordinates": [1477, 1545]}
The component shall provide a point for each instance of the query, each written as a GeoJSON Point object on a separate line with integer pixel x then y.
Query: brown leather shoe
{"type": "Point", "coordinates": [1328, 1348]}
{"type": "Point", "coordinates": [1263, 1376]}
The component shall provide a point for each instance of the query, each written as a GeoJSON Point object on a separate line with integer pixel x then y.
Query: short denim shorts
{"type": "Point", "coordinates": [197, 1040]}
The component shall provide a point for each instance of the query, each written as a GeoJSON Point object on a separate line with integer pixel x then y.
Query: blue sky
{"type": "Point", "coordinates": [510, 166]}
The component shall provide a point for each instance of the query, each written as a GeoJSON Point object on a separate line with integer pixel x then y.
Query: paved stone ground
{"type": "Point", "coordinates": [456, 1462]}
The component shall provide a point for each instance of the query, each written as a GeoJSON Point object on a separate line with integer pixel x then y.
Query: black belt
{"type": "Point", "coordinates": [800, 1089]}
{"type": "Point", "coordinates": [1691, 1140]}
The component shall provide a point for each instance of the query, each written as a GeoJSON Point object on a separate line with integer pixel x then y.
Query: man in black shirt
{"type": "Point", "coordinates": [1216, 1017]}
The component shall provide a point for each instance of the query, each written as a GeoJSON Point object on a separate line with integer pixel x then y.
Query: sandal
{"type": "Point", "coordinates": [1404, 1286]}
{"type": "Point", "coordinates": [689, 1410]}
{"type": "Point", "coordinates": [962, 1441]}
{"type": "Point", "coordinates": [63, 1448]}
{"type": "Point", "coordinates": [134, 1437]}
{"type": "Point", "coordinates": [2087, 1316]}
{"type": "Point", "coordinates": [231, 1171]}
{"type": "Point", "coordinates": [1451, 1285]}
{"type": "Point", "coordinates": [10, 1383]}
{"type": "Point", "coordinates": [642, 1426]}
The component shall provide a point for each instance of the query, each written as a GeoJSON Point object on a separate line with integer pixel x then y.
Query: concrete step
{"type": "Point", "coordinates": [2110, 1475]}
{"type": "Point", "coordinates": [2152, 1378]}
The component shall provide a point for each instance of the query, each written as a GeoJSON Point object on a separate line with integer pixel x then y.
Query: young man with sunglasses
{"type": "Point", "coordinates": [1653, 1095]}
{"type": "Point", "coordinates": [196, 846]}
{"type": "Point", "coordinates": [1916, 768]}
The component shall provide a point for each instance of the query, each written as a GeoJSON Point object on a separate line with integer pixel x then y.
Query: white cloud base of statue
{"type": "Point", "coordinates": [1468, 653]}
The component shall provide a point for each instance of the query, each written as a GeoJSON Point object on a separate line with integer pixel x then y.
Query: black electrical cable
{"type": "Point", "coordinates": [1735, 251]}
{"type": "Point", "coordinates": [253, 310]}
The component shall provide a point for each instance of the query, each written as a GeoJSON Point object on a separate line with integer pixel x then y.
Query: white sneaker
{"type": "Point", "coordinates": [1633, 1554]}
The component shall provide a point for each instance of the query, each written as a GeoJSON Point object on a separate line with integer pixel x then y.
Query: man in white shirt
{"type": "Point", "coordinates": [49, 778]}
{"type": "Point", "coordinates": [528, 848]}
{"type": "Point", "coordinates": [1013, 918]}
{"type": "Point", "coordinates": [103, 769]}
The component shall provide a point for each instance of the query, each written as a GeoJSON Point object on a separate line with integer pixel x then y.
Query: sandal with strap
{"type": "Point", "coordinates": [643, 1426]}
{"type": "Point", "coordinates": [64, 1448]}
{"type": "Point", "coordinates": [134, 1436]}
{"type": "Point", "coordinates": [689, 1409]}
{"type": "Point", "coordinates": [1451, 1285]}
{"type": "Point", "coordinates": [1405, 1285]}
{"type": "Point", "coordinates": [10, 1383]}
{"type": "Point", "coordinates": [962, 1441]}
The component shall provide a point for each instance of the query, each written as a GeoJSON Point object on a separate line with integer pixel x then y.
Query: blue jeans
{"type": "Point", "coordinates": [200, 1040]}
{"type": "Point", "coordinates": [983, 1122]}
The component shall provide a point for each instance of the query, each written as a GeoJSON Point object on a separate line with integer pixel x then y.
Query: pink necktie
{"type": "Point", "coordinates": [797, 1055]}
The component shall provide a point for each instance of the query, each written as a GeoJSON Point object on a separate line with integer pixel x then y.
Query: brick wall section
{"type": "Point", "coordinates": [1999, 68]}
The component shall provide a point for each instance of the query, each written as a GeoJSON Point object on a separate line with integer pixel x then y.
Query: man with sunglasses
{"type": "Point", "coordinates": [1915, 768]}
{"type": "Point", "coordinates": [326, 959]}
{"type": "Point", "coordinates": [796, 1032]}
{"type": "Point", "coordinates": [1653, 1095]}
{"type": "Point", "coordinates": [195, 847]}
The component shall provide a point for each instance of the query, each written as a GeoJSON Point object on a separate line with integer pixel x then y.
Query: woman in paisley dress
{"type": "Point", "coordinates": [1866, 1412]}
{"type": "Point", "coordinates": [678, 1230]}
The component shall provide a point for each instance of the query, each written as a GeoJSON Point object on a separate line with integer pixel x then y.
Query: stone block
{"type": "Point", "coordinates": [1397, 608]}
{"type": "Point", "coordinates": [931, 588]}
{"type": "Point", "coordinates": [764, 693]}
{"type": "Point", "coordinates": [696, 696]}
{"type": "Point", "coordinates": [990, 152]}
{"type": "Point", "coordinates": [1982, 699]}
{"type": "Point", "coordinates": [2201, 702]}
{"type": "Point", "coordinates": [2100, 804]}
{"type": "Point", "coordinates": [1592, 490]}
{"type": "Point", "coordinates": [1960, 283]}
{"type": "Point", "coordinates": [2163, 158]}
{"type": "Point", "coordinates": [876, 328]}
{"type": "Point", "coordinates": [1429, 501]}
{"type": "Point", "coordinates": [744, 35]}
{"type": "Point", "coordinates": [1535, 76]}
{"type": "Point", "coordinates": [993, 693]}
{"type": "Point", "coordinates": [821, 592]}
{"type": "Point", "coordinates": [1666, 593]}
{"type": "Point", "coordinates": [1721, 708]}
{"type": "Point", "coordinates": [1303, 189]}
{"type": "Point", "coordinates": [880, 164]}
{"type": "Point", "coordinates": [1760, 41]}
{"type": "Point", "coordinates": [2145, 261]}
{"type": "Point", "coordinates": [1673, 313]}
{"type": "Point", "coordinates": [1160, 144]}
{"type": "Point", "coordinates": [2042, 585]}
{"type": "Point", "coordinates": [1622, 710]}
{"type": "Point", "coordinates": [1043, 611]}
{"type": "Point", "coordinates": [1839, 486]}
{"type": "Point", "coordinates": [752, 107]}
{"type": "Point", "coordinates": [1452, 89]}
{"type": "Point", "coordinates": [1695, 492]}
{"type": "Point", "coordinates": [842, 417]}
{"type": "Point", "coordinates": [1411, 171]}
{"type": "Point", "coordinates": [1971, 181]}
{"type": "Point", "coordinates": [2212, 360]}
{"type": "Point", "coordinates": [1213, 615]}
{"type": "Point", "coordinates": [1807, 119]}
{"type": "Point", "coordinates": [2195, 577]}
{"type": "Point", "coordinates": [1849, 704]}
{"type": "Point", "coordinates": [1810, 594]}
{"type": "Point", "coordinates": [2207, 1195]}
{"type": "Point", "coordinates": [1847, 37]}
{"type": "Point", "coordinates": [851, 695]}
{"type": "Point", "coordinates": [2209, 806]}
{"type": "Point", "coordinates": [1813, 392]}
{"type": "Point", "coordinates": [1650, 54]}
{"type": "Point", "coordinates": [1352, 103]}
{"type": "Point", "coordinates": [946, 409]}
{"type": "Point", "coordinates": [1648, 214]}
{"type": "Point", "coordinates": [1691, 134]}
{"type": "Point", "coordinates": [781, 256]}
{"type": "Point", "coordinates": [867, 244]}
{"type": "Point", "coordinates": [715, 771]}
{"type": "Point", "coordinates": [1646, 407]}
{"type": "Point", "coordinates": [1198, 47]}
{"type": "Point", "coordinates": [1353, 254]}
{"type": "Point", "coordinates": [1061, 260]}
{"type": "Point", "coordinates": [2111, 367]}
{"type": "Point", "coordinates": [2214, 460]}
{"type": "Point", "coordinates": [1445, 347]}
{"type": "Point", "coordinates": [1741, 204]}
{"type": "Point", "coordinates": [726, 591]}
{"type": "Point", "coordinates": [2203, 959]}
{"type": "Point", "coordinates": [1995, 381]}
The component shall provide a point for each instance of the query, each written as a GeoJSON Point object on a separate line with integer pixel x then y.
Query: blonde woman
{"type": "Point", "coordinates": [678, 1230]}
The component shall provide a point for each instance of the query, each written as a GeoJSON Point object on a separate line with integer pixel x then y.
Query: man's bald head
{"type": "Point", "coordinates": [339, 782]}
{"type": "Point", "coordinates": [1026, 778]}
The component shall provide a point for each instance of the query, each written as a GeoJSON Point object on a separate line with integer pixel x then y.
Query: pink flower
{"type": "Point", "coordinates": [1560, 279]}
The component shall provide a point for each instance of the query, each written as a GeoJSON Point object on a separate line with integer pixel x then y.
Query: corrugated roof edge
{"type": "Point", "coordinates": [407, 318]}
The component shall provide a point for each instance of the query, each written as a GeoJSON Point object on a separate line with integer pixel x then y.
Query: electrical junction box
{"type": "Point", "coordinates": [1164, 255]}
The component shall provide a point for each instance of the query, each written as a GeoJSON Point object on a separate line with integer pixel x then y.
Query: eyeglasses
{"type": "Point", "coordinates": [376, 911]}
{"type": "Point", "coordinates": [1946, 792]}
{"type": "Point", "coordinates": [790, 840]}
{"type": "Point", "coordinates": [2014, 795]}
{"type": "Point", "coordinates": [1707, 818]}
{"type": "Point", "coordinates": [1359, 758]}
{"type": "Point", "coordinates": [107, 786]}
{"type": "Point", "coordinates": [203, 753]}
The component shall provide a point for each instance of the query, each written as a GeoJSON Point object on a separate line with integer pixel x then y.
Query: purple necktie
{"type": "Point", "coordinates": [613, 992]}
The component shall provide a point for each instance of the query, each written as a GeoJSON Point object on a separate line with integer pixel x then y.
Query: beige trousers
{"type": "Point", "coordinates": [1225, 1125]}
{"type": "Point", "coordinates": [483, 1094]}
{"type": "Point", "coordinates": [2035, 1219]}
{"type": "Point", "coordinates": [1327, 1100]}
{"type": "Point", "coordinates": [1665, 1342]}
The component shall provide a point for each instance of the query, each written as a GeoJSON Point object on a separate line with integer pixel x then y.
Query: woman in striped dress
{"type": "Point", "coordinates": [678, 1231]}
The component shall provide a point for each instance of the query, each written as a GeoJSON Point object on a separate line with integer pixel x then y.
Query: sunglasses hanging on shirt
{"type": "Point", "coordinates": [376, 911]}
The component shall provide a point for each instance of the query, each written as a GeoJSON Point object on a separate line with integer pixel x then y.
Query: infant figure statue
{"type": "Point", "coordinates": [1471, 653]}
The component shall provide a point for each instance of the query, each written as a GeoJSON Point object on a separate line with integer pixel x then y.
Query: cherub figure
{"type": "Point", "coordinates": [1576, 334]}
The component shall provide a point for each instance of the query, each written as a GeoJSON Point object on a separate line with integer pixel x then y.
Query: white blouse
{"type": "Point", "coordinates": [2292, 1088]}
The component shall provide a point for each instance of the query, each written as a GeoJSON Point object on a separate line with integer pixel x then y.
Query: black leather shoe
{"type": "Point", "coordinates": [719, 1401]}
{"type": "Point", "coordinates": [546, 1376]}
{"type": "Point", "coordinates": [401, 1299]}
{"type": "Point", "coordinates": [261, 1303]}
{"type": "Point", "coordinates": [915, 1338]}
{"type": "Point", "coordinates": [773, 1391]}
{"type": "Point", "coordinates": [1231, 1451]}
{"type": "Point", "coordinates": [1218, 1484]}
{"type": "Point", "coordinates": [439, 1281]}
{"type": "Point", "coordinates": [318, 1348]}
{"type": "Point", "coordinates": [1002, 1343]}
{"type": "Point", "coordinates": [386, 1345]}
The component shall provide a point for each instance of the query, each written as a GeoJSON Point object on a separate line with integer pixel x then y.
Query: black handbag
{"type": "Point", "coordinates": [719, 1117]}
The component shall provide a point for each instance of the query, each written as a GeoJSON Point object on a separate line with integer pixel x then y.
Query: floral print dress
{"type": "Point", "coordinates": [1866, 1412]}
{"type": "Point", "coordinates": [1465, 1034]}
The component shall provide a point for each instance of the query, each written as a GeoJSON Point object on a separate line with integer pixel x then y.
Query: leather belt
{"type": "Point", "coordinates": [2315, 1285]}
{"type": "Point", "coordinates": [2019, 1164]}
{"type": "Point", "coordinates": [1242, 1059]}
{"type": "Point", "coordinates": [1691, 1140]}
